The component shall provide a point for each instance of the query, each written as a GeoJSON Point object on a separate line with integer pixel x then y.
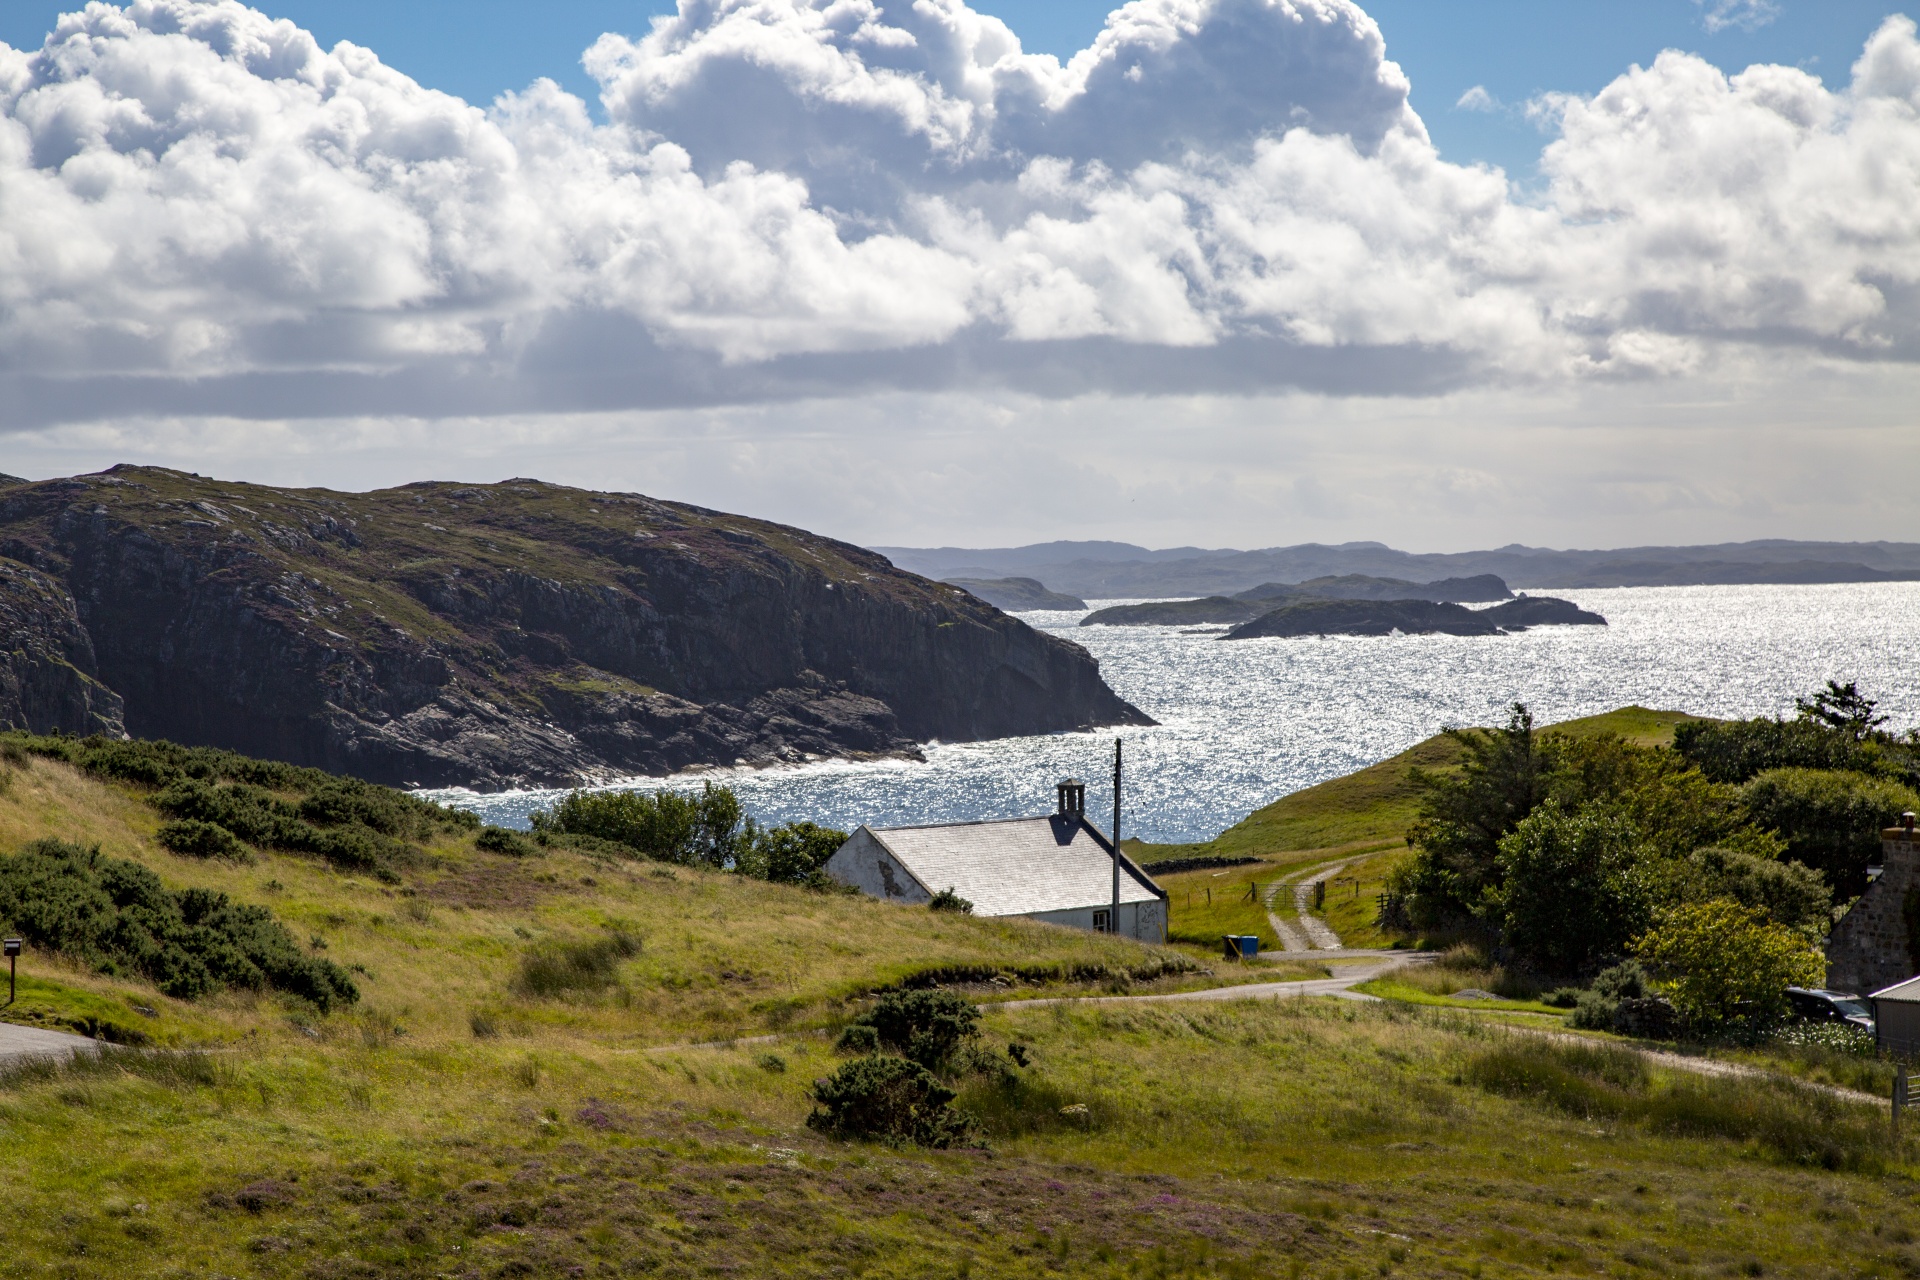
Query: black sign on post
{"type": "Point", "coordinates": [12, 946]}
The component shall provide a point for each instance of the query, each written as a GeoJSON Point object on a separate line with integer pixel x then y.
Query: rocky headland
{"type": "Point", "coordinates": [1016, 593]}
{"type": "Point", "coordinates": [489, 636]}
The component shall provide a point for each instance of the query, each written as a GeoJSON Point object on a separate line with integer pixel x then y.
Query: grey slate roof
{"type": "Point", "coordinates": [1019, 866]}
{"type": "Point", "coordinates": [1907, 992]}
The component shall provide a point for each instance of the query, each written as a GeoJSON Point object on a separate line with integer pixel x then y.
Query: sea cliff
{"type": "Point", "coordinates": [495, 635]}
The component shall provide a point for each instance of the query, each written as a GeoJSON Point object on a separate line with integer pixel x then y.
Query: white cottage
{"type": "Point", "coordinates": [1057, 868]}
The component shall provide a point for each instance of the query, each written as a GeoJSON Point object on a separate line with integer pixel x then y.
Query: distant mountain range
{"type": "Point", "coordinates": [1121, 569]}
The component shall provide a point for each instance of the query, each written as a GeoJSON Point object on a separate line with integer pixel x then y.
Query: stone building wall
{"type": "Point", "coordinates": [1867, 949]}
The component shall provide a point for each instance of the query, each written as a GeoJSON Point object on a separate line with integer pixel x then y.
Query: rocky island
{"type": "Point", "coordinates": [1177, 613]}
{"type": "Point", "coordinates": [495, 635]}
{"type": "Point", "coordinates": [1412, 617]}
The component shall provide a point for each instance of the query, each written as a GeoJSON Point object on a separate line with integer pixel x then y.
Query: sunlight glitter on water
{"type": "Point", "coordinates": [1246, 722]}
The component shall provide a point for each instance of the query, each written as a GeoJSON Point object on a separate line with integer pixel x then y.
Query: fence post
{"type": "Point", "coordinates": [1899, 1094]}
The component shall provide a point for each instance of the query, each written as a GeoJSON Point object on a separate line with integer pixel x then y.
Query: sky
{"type": "Point", "coordinates": [1226, 272]}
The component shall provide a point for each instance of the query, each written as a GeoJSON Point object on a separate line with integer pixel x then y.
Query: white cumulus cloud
{"type": "Point", "coordinates": [201, 210]}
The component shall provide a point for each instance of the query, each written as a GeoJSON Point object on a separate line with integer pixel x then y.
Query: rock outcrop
{"type": "Point", "coordinates": [495, 635]}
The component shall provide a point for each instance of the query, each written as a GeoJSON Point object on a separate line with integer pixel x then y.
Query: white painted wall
{"type": "Point", "coordinates": [866, 865]}
{"type": "Point", "coordinates": [1144, 921]}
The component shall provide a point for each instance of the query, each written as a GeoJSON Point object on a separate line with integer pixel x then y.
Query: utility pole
{"type": "Point", "coordinates": [1113, 916]}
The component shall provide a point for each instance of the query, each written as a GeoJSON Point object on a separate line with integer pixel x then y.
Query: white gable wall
{"type": "Point", "coordinates": [865, 863]}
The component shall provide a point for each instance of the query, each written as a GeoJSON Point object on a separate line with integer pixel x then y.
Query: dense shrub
{"type": "Point", "coordinates": [1728, 965]}
{"type": "Point", "coordinates": [558, 969]}
{"type": "Point", "coordinates": [192, 838]}
{"type": "Point", "coordinates": [948, 900]}
{"type": "Point", "coordinates": [928, 1027]}
{"type": "Point", "coordinates": [708, 829]}
{"type": "Point", "coordinates": [1735, 751]}
{"type": "Point", "coordinates": [119, 917]}
{"type": "Point", "coordinates": [1830, 819]}
{"type": "Point", "coordinates": [794, 853]}
{"type": "Point", "coordinates": [1790, 893]}
{"type": "Point", "coordinates": [886, 1098]}
{"type": "Point", "coordinates": [504, 841]}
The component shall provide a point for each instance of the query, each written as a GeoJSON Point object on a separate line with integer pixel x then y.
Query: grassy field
{"type": "Point", "coordinates": [456, 1123]}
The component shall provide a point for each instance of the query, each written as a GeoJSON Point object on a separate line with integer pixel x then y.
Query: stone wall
{"type": "Point", "coordinates": [1867, 949]}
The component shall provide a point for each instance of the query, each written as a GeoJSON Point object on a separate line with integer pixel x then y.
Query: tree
{"type": "Point", "coordinates": [1574, 888]}
{"type": "Point", "coordinates": [708, 829]}
{"type": "Point", "coordinates": [1503, 776]}
{"type": "Point", "coordinates": [792, 853]}
{"type": "Point", "coordinates": [1830, 818]}
{"type": "Point", "coordinates": [1729, 966]}
{"type": "Point", "coordinates": [1789, 893]}
{"type": "Point", "coordinates": [1843, 707]}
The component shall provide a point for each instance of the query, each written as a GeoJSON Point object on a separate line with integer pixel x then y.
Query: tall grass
{"type": "Point", "coordinates": [560, 969]}
{"type": "Point", "coordinates": [1793, 1123]}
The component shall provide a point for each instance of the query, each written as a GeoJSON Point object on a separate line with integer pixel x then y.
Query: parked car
{"type": "Point", "coordinates": [1815, 1004]}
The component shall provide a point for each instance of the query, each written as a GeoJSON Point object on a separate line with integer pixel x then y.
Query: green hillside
{"type": "Point", "coordinates": [513, 1094]}
{"type": "Point", "coordinates": [1373, 806]}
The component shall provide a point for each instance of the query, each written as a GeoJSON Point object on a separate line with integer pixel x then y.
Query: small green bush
{"type": "Point", "coordinates": [1593, 1011]}
{"type": "Point", "coordinates": [948, 900]}
{"type": "Point", "coordinates": [889, 1099]}
{"type": "Point", "coordinates": [504, 841]}
{"type": "Point", "coordinates": [192, 838]}
{"type": "Point", "coordinates": [560, 969]}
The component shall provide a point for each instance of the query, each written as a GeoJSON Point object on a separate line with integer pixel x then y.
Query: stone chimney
{"type": "Point", "coordinates": [1072, 797]}
{"type": "Point", "coordinates": [1869, 947]}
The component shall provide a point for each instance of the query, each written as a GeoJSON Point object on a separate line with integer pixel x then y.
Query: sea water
{"type": "Point", "coordinates": [1244, 722]}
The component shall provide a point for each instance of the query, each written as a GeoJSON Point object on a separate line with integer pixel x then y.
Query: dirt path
{"type": "Point", "coordinates": [31, 1042]}
{"type": "Point", "coordinates": [1355, 967]}
{"type": "Point", "coordinates": [1306, 932]}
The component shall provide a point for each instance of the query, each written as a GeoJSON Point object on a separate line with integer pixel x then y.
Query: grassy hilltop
{"type": "Point", "coordinates": [499, 1103]}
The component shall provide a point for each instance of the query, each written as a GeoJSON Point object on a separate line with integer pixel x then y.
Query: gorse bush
{"type": "Point", "coordinates": [352, 825]}
{"type": "Point", "coordinates": [503, 840]}
{"type": "Point", "coordinates": [886, 1098]}
{"type": "Point", "coordinates": [118, 917]}
{"type": "Point", "coordinates": [192, 838]}
{"type": "Point", "coordinates": [559, 969]}
{"type": "Point", "coordinates": [704, 829]}
{"type": "Point", "coordinates": [927, 1027]}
